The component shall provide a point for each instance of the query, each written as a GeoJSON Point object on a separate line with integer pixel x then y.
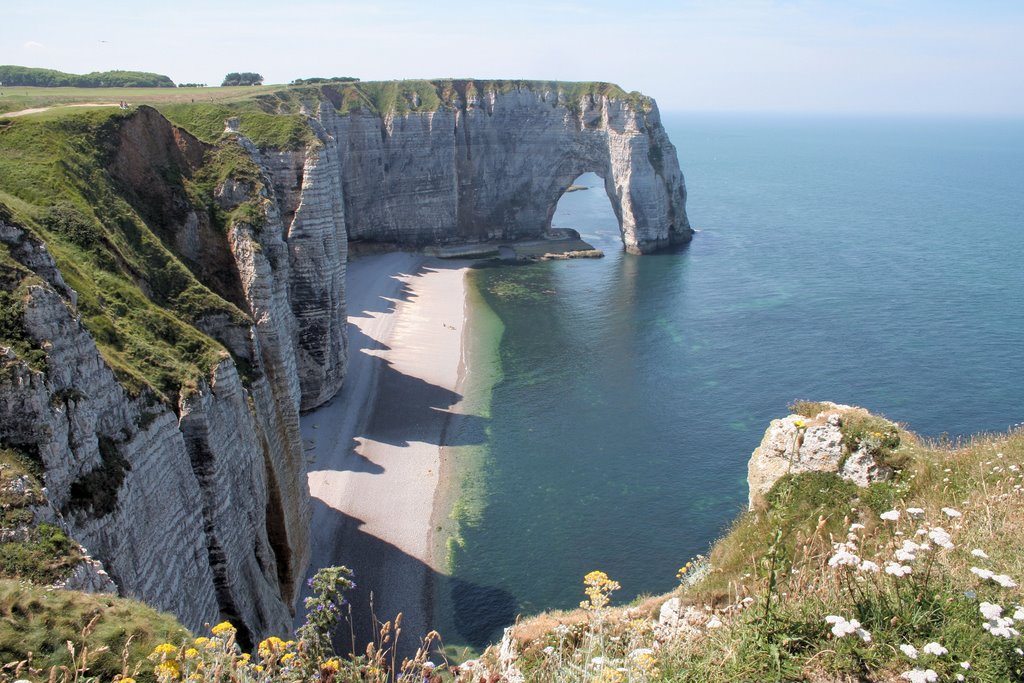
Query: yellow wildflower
{"type": "Point", "coordinates": [201, 641]}
{"type": "Point", "coordinates": [243, 658]}
{"type": "Point", "coordinates": [164, 649]}
{"type": "Point", "coordinates": [126, 679]}
{"type": "Point", "coordinates": [333, 665]}
{"type": "Point", "coordinates": [224, 628]}
{"type": "Point", "coordinates": [270, 646]}
{"type": "Point", "coordinates": [799, 424]}
{"type": "Point", "coordinates": [611, 676]}
{"type": "Point", "coordinates": [598, 589]}
{"type": "Point", "coordinates": [259, 668]}
{"type": "Point", "coordinates": [191, 653]}
{"type": "Point", "coordinates": [287, 657]}
{"type": "Point", "coordinates": [167, 671]}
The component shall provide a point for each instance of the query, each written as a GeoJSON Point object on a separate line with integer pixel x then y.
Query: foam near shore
{"type": "Point", "coordinates": [375, 450]}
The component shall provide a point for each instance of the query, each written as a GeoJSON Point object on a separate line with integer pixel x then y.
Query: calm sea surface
{"type": "Point", "coordinates": [877, 262]}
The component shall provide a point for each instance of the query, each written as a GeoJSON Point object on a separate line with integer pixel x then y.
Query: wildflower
{"type": "Point", "coordinates": [897, 569]}
{"type": "Point", "coordinates": [270, 646]}
{"type": "Point", "coordinates": [978, 552]}
{"type": "Point", "coordinates": [909, 650]}
{"type": "Point", "coordinates": [224, 628]}
{"type": "Point", "coordinates": [1018, 614]}
{"type": "Point", "coordinates": [799, 424]}
{"type": "Point", "coordinates": [332, 665]}
{"type": "Point", "coordinates": [244, 658]}
{"type": "Point", "coordinates": [598, 589]}
{"type": "Point", "coordinates": [191, 653]}
{"type": "Point", "coordinates": [981, 573]}
{"type": "Point", "coordinates": [841, 627]}
{"type": "Point", "coordinates": [855, 526]}
{"type": "Point", "coordinates": [164, 649]}
{"type": "Point", "coordinates": [868, 566]}
{"type": "Point", "coordinates": [1004, 580]}
{"type": "Point", "coordinates": [940, 537]}
{"type": "Point", "coordinates": [843, 558]}
{"type": "Point", "coordinates": [950, 512]}
{"type": "Point", "coordinates": [965, 665]}
{"type": "Point", "coordinates": [990, 611]}
{"type": "Point", "coordinates": [915, 512]}
{"type": "Point", "coordinates": [201, 641]}
{"type": "Point", "coordinates": [167, 671]}
{"type": "Point", "coordinates": [934, 648]}
{"type": "Point", "coordinates": [920, 676]}
{"type": "Point", "coordinates": [890, 516]}
{"type": "Point", "coordinates": [126, 679]}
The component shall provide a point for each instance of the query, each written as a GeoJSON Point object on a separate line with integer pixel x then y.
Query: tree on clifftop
{"type": "Point", "coordinates": [244, 78]}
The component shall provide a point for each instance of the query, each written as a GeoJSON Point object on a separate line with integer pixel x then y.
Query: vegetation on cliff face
{"type": "Point", "coordinates": [136, 296]}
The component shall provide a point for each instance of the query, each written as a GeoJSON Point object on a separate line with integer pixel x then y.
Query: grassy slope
{"type": "Point", "coordinates": [777, 558]}
{"type": "Point", "coordinates": [138, 300]}
{"type": "Point", "coordinates": [42, 621]}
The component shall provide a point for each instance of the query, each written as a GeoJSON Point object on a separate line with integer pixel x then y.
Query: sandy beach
{"type": "Point", "coordinates": [374, 452]}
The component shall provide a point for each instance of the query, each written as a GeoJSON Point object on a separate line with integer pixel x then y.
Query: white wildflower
{"type": "Point", "coordinates": [549, 650]}
{"type": "Point", "coordinates": [990, 610]}
{"type": "Point", "coordinates": [981, 573]}
{"type": "Point", "coordinates": [841, 627]}
{"type": "Point", "coordinates": [965, 665]}
{"type": "Point", "coordinates": [950, 512]}
{"type": "Point", "coordinates": [920, 676]}
{"type": "Point", "coordinates": [1018, 614]}
{"type": "Point", "coordinates": [978, 552]}
{"type": "Point", "coordinates": [890, 516]}
{"type": "Point", "coordinates": [941, 537]}
{"type": "Point", "coordinates": [640, 652]}
{"type": "Point", "coordinates": [896, 569]}
{"type": "Point", "coordinates": [909, 650]}
{"type": "Point", "coordinates": [934, 648]}
{"type": "Point", "coordinates": [843, 557]}
{"type": "Point", "coordinates": [1004, 580]}
{"type": "Point", "coordinates": [868, 566]}
{"type": "Point", "coordinates": [915, 512]}
{"type": "Point", "coordinates": [905, 556]}
{"type": "Point", "coordinates": [855, 526]}
{"type": "Point", "coordinates": [960, 677]}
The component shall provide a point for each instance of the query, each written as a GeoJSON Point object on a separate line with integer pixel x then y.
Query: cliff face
{"type": "Point", "coordinates": [492, 164]}
{"type": "Point", "coordinates": [160, 346]}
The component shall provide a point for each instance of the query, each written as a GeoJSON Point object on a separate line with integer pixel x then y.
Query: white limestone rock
{"type": "Point", "coordinates": [796, 444]}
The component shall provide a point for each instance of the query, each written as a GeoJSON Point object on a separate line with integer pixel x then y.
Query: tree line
{"type": "Point", "coordinates": [11, 75]}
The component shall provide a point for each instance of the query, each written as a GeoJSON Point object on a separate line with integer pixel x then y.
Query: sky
{"type": "Point", "coordinates": [941, 57]}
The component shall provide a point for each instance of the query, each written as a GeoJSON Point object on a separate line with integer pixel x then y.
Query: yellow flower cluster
{"type": "Point", "coordinates": [598, 589]}
{"type": "Point", "coordinates": [164, 649]}
{"type": "Point", "coordinates": [799, 424]}
{"type": "Point", "coordinates": [270, 646]}
{"type": "Point", "coordinates": [191, 653]}
{"type": "Point", "coordinates": [224, 628]}
{"type": "Point", "coordinates": [332, 665]}
{"type": "Point", "coordinates": [167, 671]}
{"type": "Point", "coordinates": [611, 676]}
{"type": "Point", "coordinates": [681, 574]}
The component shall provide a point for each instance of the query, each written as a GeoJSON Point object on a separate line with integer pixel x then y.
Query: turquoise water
{"type": "Point", "coordinates": [867, 261]}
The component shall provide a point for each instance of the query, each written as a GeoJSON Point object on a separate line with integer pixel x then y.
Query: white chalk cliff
{"type": "Point", "coordinates": [199, 505]}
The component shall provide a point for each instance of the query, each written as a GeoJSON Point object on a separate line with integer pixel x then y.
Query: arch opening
{"type": "Point", "coordinates": [586, 208]}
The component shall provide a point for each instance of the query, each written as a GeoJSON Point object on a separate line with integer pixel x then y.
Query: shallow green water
{"type": "Point", "coordinates": [874, 262]}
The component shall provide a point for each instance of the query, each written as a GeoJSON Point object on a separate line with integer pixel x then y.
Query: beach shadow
{"type": "Point", "coordinates": [422, 415]}
{"type": "Point", "coordinates": [390, 581]}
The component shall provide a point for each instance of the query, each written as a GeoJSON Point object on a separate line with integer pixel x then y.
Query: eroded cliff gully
{"type": "Point", "coordinates": [199, 504]}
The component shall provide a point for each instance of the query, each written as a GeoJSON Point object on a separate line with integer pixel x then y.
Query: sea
{"type": "Point", "coordinates": [870, 261]}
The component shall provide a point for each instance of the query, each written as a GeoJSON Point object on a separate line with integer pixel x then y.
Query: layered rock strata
{"type": "Point", "coordinates": [490, 165]}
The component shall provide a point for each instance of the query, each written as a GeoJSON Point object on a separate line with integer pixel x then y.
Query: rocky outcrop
{"type": "Point", "coordinates": [490, 163]}
{"type": "Point", "coordinates": [799, 443]}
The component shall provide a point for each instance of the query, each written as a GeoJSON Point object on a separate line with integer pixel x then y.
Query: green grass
{"type": "Point", "coordinates": [42, 621]}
